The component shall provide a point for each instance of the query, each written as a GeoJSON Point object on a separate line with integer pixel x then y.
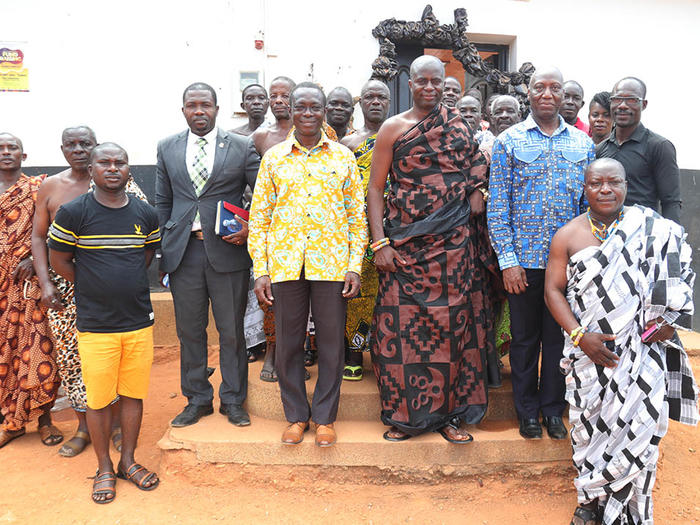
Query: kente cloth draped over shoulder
{"type": "Point", "coordinates": [360, 308]}
{"type": "Point", "coordinates": [28, 378]}
{"type": "Point", "coordinates": [619, 415]}
{"type": "Point", "coordinates": [424, 343]}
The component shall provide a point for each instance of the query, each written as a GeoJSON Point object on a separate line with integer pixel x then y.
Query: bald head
{"type": "Point", "coordinates": [101, 149]}
{"type": "Point", "coordinates": [426, 62]}
{"type": "Point", "coordinates": [9, 136]}
{"type": "Point", "coordinates": [79, 130]}
{"type": "Point", "coordinates": [375, 84]}
{"type": "Point", "coordinates": [605, 165]}
{"type": "Point", "coordinates": [547, 71]}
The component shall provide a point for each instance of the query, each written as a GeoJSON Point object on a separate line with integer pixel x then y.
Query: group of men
{"type": "Point", "coordinates": [477, 219]}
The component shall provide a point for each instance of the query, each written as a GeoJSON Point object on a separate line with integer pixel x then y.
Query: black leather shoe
{"type": "Point", "coordinates": [235, 413]}
{"type": "Point", "coordinates": [530, 428]}
{"type": "Point", "coordinates": [191, 415]}
{"type": "Point", "coordinates": [555, 427]}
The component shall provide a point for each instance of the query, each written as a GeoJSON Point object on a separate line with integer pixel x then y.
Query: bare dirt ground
{"type": "Point", "coordinates": [38, 486]}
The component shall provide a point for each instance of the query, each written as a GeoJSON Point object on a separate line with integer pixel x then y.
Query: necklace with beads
{"type": "Point", "coordinates": [603, 231]}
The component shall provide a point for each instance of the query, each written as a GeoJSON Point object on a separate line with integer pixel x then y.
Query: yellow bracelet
{"type": "Point", "coordinates": [575, 331]}
{"type": "Point", "coordinates": [579, 336]}
{"type": "Point", "coordinates": [381, 243]}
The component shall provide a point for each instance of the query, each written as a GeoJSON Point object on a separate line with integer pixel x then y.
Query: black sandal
{"type": "Point", "coordinates": [396, 439]}
{"type": "Point", "coordinates": [588, 516]}
{"type": "Point", "coordinates": [454, 424]}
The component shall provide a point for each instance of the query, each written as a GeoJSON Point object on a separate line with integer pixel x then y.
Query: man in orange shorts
{"type": "Point", "coordinates": [103, 241]}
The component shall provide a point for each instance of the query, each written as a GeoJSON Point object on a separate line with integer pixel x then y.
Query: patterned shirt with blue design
{"type": "Point", "coordinates": [536, 186]}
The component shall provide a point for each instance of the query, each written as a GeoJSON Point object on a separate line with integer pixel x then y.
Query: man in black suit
{"type": "Point", "coordinates": [196, 169]}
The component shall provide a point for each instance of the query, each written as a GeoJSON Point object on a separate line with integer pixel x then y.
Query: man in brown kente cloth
{"type": "Point", "coordinates": [425, 347]}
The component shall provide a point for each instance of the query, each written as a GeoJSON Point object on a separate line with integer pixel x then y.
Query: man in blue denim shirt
{"type": "Point", "coordinates": [536, 187]}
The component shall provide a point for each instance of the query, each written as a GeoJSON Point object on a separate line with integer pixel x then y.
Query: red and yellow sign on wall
{"type": "Point", "coordinates": [14, 76]}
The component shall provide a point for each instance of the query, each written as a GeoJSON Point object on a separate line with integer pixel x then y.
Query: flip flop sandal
{"type": "Point", "coordinates": [70, 449]}
{"type": "Point", "coordinates": [8, 435]}
{"type": "Point", "coordinates": [50, 435]}
{"type": "Point", "coordinates": [395, 439]}
{"type": "Point", "coordinates": [447, 437]}
{"type": "Point", "coordinates": [587, 516]}
{"type": "Point", "coordinates": [116, 438]}
{"type": "Point", "coordinates": [105, 477]}
{"type": "Point", "coordinates": [352, 373]}
{"type": "Point", "coordinates": [141, 483]}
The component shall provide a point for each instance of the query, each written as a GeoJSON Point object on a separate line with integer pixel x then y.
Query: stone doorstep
{"type": "Point", "coordinates": [360, 444]}
{"type": "Point", "coordinates": [359, 400]}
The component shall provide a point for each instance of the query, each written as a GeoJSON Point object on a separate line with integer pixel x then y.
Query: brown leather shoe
{"type": "Point", "coordinates": [325, 435]}
{"type": "Point", "coordinates": [295, 433]}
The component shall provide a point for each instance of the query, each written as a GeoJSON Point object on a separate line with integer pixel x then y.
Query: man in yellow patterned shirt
{"type": "Point", "coordinates": [307, 237]}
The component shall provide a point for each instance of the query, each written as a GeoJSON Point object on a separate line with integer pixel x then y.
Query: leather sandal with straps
{"type": "Point", "coordinates": [141, 483]}
{"type": "Point", "coordinates": [294, 434]}
{"type": "Point", "coordinates": [108, 481]}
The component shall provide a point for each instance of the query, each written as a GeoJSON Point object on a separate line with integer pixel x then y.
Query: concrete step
{"type": "Point", "coordinates": [497, 447]}
{"type": "Point", "coordinates": [359, 400]}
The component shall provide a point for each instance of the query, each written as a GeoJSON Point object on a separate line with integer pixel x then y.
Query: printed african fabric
{"type": "Point", "coordinates": [28, 372]}
{"type": "Point", "coordinates": [424, 343]}
{"type": "Point", "coordinates": [361, 308]}
{"type": "Point", "coordinates": [486, 294]}
{"type": "Point", "coordinates": [619, 415]}
{"type": "Point", "coordinates": [307, 212]}
{"type": "Point", "coordinates": [65, 341]}
{"type": "Point", "coordinates": [536, 187]}
{"type": "Point", "coordinates": [253, 319]}
{"type": "Point", "coordinates": [63, 331]}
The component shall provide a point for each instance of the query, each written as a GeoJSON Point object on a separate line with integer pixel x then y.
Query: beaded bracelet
{"type": "Point", "coordinates": [578, 338]}
{"type": "Point", "coordinates": [381, 243]}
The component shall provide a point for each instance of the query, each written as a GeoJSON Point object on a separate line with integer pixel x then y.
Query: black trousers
{"type": "Point", "coordinates": [291, 307]}
{"type": "Point", "coordinates": [532, 327]}
{"type": "Point", "coordinates": [193, 285]}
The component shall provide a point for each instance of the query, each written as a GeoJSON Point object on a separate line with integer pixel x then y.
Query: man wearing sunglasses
{"type": "Point", "coordinates": [649, 159]}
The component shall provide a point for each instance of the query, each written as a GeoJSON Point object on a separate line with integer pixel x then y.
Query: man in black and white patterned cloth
{"type": "Point", "coordinates": [619, 283]}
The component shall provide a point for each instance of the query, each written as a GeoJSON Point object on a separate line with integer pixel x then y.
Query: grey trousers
{"type": "Point", "coordinates": [291, 307]}
{"type": "Point", "coordinates": [193, 285]}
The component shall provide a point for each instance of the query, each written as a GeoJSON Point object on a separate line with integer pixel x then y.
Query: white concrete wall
{"type": "Point", "coordinates": [122, 69]}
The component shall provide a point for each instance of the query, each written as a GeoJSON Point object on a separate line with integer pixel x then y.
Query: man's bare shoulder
{"type": "Point", "coordinates": [397, 125]}
{"type": "Point", "coordinates": [54, 181]}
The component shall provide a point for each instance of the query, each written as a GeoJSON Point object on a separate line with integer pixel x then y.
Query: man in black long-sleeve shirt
{"type": "Point", "coordinates": [649, 159]}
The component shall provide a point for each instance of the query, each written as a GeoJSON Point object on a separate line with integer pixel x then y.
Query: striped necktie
{"type": "Point", "coordinates": [200, 173]}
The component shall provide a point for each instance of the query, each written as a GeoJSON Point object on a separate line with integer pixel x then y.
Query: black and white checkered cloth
{"type": "Point", "coordinates": [619, 415]}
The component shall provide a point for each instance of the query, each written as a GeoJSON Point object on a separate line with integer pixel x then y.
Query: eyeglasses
{"type": "Point", "coordinates": [630, 101]}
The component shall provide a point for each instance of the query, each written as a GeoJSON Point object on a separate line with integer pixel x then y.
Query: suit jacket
{"type": "Point", "coordinates": [235, 165]}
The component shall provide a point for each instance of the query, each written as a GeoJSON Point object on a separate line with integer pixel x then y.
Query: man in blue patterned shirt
{"type": "Point", "coordinates": [536, 187]}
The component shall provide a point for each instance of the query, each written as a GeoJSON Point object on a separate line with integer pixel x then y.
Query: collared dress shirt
{"type": "Point", "coordinates": [190, 153]}
{"type": "Point", "coordinates": [307, 212]}
{"type": "Point", "coordinates": [536, 186]}
{"type": "Point", "coordinates": [652, 173]}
